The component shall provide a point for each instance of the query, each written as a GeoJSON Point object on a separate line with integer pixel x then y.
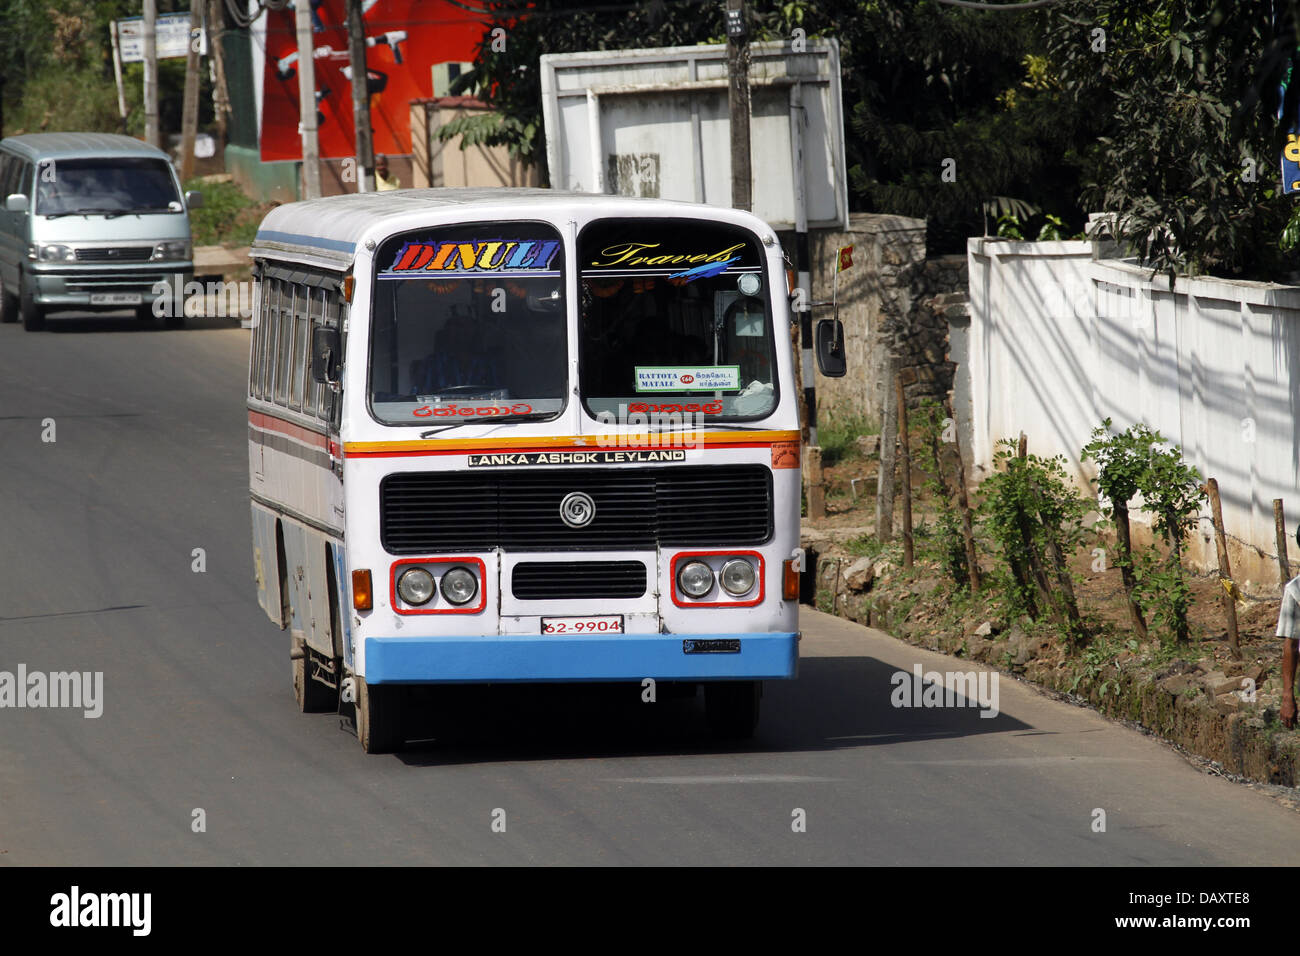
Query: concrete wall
{"type": "Point", "coordinates": [1059, 341]}
{"type": "Point", "coordinates": [436, 163]}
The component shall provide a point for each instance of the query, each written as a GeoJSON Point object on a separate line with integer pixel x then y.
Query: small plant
{"type": "Point", "coordinates": [947, 544]}
{"type": "Point", "coordinates": [1009, 227]}
{"type": "Point", "coordinates": [1035, 518]}
{"type": "Point", "coordinates": [1054, 229]}
{"type": "Point", "coordinates": [1121, 461]}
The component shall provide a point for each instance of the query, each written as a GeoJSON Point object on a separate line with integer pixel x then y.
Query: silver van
{"type": "Point", "coordinates": [91, 221]}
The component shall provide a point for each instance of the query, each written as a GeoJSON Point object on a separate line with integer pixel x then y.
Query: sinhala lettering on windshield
{"type": "Point", "coordinates": [696, 378]}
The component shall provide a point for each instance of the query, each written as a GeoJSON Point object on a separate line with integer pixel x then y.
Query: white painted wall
{"type": "Point", "coordinates": [1059, 341]}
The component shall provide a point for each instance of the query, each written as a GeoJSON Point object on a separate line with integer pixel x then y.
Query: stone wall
{"type": "Point", "coordinates": [893, 301]}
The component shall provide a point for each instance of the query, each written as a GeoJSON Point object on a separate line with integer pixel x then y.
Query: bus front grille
{"type": "Point", "coordinates": [636, 508]}
{"type": "Point", "coordinates": [577, 580]}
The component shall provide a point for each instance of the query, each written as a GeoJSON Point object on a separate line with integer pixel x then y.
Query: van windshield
{"type": "Point", "coordinates": [469, 324]}
{"type": "Point", "coordinates": [110, 185]}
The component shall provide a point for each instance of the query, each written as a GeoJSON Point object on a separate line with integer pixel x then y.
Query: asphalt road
{"type": "Point", "coordinates": [97, 573]}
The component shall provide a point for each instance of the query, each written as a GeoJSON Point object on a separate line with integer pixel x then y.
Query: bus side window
{"type": "Point", "coordinates": [328, 316]}
{"type": "Point", "coordinates": [272, 331]}
{"type": "Point", "coordinates": [312, 397]}
{"type": "Point", "coordinates": [304, 297]}
{"type": "Point", "coordinates": [283, 344]}
{"type": "Point", "coordinates": [257, 350]}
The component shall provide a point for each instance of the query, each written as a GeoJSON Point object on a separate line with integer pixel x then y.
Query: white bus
{"type": "Point", "coordinates": [508, 435]}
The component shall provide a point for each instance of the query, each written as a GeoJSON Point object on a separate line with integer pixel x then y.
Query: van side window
{"type": "Point", "coordinates": [24, 182]}
{"type": "Point", "coordinates": [8, 170]}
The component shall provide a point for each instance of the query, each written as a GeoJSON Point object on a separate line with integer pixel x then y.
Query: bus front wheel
{"type": "Point", "coordinates": [379, 717]}
{"type": "Point", "coordinates": [731, 707]}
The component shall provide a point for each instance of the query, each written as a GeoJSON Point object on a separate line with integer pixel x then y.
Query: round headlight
{"type": "Point", "coordinates": [738, 577]}
{"type": "Point", "coordinates": [695, 578]}
{"type": "Point", "coordinates": [459, 586]}
{"type": "Point", "coordinates": [415, 586]}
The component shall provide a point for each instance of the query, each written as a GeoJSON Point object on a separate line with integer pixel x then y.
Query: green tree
{"type": "Point", "coordinates": [1187, 93]}
{"type": "Point", "coordinates": [926, 83]}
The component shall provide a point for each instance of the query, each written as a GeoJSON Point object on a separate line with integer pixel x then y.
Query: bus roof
{"type": "Point", "coordinates": [329, 230]}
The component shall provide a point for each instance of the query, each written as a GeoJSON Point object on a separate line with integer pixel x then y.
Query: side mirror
{"type": "Point", "coordinates": [15, 202]}
{"type": "Point", "coordinates": [830, 348]}
{"type": "Point", "coordinates": [326, 355]}
{"type": "Point", "coordinates": [194, 199]}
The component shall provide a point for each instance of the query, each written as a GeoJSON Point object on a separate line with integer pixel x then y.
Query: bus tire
{"type": "Point", "coordinates": [379, 717]}
{"type": "Point", "coordinates": [312, 696]}
{"type": "Point", "coordinates": [731, 708]}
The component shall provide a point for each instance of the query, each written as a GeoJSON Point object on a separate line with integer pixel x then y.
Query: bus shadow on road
{"type": "Point", "coordinates": [836, 703]}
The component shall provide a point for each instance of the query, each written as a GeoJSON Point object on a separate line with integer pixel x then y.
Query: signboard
{"type": "Point", "coordinates": [404, 39]}
{"type": "Point", "coordinates": [656, 123]}
{"type": "Point", "coordinates": [171, 37]}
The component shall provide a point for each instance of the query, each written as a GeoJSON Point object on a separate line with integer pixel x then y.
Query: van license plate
{"type": "Point", "coordinates": [607, 624]}
{"type": "Point", "coordinates": [116, 298]}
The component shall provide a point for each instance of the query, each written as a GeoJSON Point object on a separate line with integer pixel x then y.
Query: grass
{"type": "Point", "coordinates": [224, 215]}
{"type": "Point", "coordinates": [837, 435]}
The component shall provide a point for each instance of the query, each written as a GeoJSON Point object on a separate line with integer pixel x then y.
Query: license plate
{"type": "Point", "coordinates": [607, 624]}
{"type": "Point", "coordinates": [116, 298]}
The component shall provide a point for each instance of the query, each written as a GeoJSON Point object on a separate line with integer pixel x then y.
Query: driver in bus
{"type": "Point", "coordinates": [456, 362]}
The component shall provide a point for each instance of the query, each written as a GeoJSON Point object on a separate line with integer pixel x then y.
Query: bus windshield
{"type": "Point", "coordinates": [468, 324]}
{"type": "Point", "coordinates": [110, 185]}
{"type": "Point", "coordinates": [676, 317]}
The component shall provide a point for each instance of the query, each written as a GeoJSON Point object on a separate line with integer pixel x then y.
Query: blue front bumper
{"type": "Point", "coordinates": [533, 658]}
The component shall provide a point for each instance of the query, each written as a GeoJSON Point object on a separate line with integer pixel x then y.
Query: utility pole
{"type": "Point", "coordinates": [360, 99]}
{"type": "Point", "coordinates": [190, 110]}
{"type": "Point", "coordinates": [307, 101]}
{"type": "Point", "coordinates": [151, 72]}
{"type": "Point", "coordinates": [216, 50]}
{"type": "Point", "coordinates": [738, 103]}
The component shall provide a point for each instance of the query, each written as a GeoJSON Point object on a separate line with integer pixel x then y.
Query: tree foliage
{"type": "Point", "coordinates": [925, 83]}
{"type": "Point", "coordinates": [1188, 90]}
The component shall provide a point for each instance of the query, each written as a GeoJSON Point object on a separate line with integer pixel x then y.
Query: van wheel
{"type": "Point", "coordinates": [33, 314]}
{"type": "Point", "coordinates": [8, 304]}
{"type": "Point", "coordinates": [312, 696]}
{"type": "Point", "coordinates": [379, 717]}
{"type": "Point", "coordinates": [732, 708]}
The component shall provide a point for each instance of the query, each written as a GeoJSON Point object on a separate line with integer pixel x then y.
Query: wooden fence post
{"type": "Point", "coordinates": [1225, 566]}
{"type": "Point", "coordinates": [1279, 525]}
{"type": "Point", "coordinates": [905, 468]}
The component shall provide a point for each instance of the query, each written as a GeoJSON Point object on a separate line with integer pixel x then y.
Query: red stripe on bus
{"type": "Point", "coordinates": [271, 423]}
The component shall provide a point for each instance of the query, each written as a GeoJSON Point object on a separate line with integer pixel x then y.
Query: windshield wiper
{"type": "Point", "coordinates": [488, 420]}
{"type": "Point", "coordinates": [93, 211]}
